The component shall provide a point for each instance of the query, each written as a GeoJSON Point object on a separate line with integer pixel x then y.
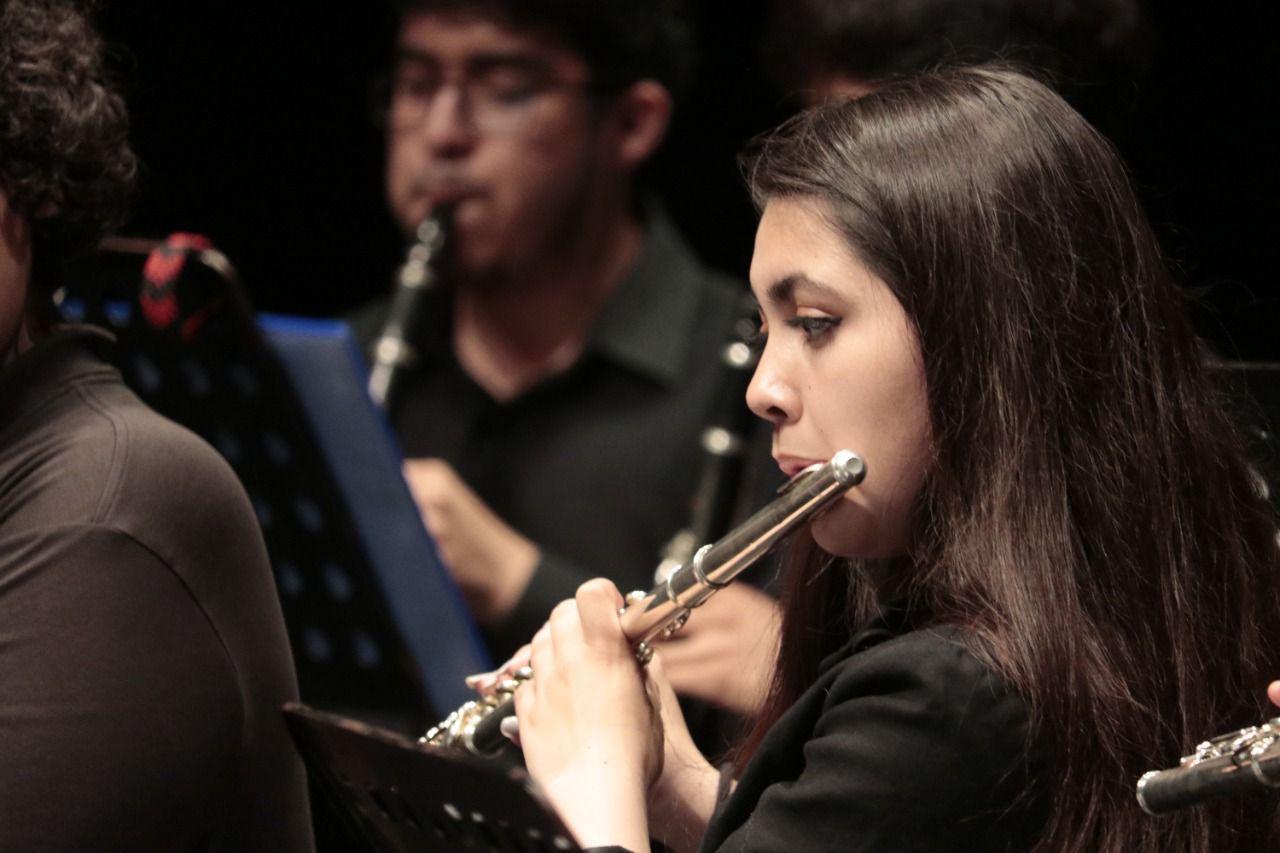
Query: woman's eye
{"type": "Point", "coordinates": [755, 336]}
{"type": "Point", "coordinates": [815, 329]}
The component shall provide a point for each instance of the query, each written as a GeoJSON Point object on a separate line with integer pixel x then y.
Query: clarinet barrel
{"type": "Point", "coordinates": [725, 447]}
{"type": "Point", "coordinates": [393, 351]}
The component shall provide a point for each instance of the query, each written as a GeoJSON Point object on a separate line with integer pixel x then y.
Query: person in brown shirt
{"type": "Point", "coordinates": [143, 657]}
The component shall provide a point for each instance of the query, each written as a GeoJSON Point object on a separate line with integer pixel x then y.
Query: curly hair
{"type": "Point", "coordinates": [65, 161]}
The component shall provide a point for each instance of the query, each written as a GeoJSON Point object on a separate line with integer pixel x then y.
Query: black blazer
{"type": "Point", "coordinates": [906, 742]}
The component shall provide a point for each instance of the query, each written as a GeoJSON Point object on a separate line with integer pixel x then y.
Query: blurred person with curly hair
{"type": "Point", "coordinates": [143, 657]}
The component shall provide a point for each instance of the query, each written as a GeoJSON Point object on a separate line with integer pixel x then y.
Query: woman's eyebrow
{"type": "Point", "coordinates": [784, 288]}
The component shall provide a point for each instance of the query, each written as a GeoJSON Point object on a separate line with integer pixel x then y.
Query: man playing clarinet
{"type": "Point", "coordinates": [568, 360]}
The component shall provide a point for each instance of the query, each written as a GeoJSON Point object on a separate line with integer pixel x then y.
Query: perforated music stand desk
{"type": "Point", "coordinates": [404, 798]}
{"type": "Point", "coordinates": [378, 628]}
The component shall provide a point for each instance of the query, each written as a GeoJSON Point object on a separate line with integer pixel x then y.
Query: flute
{"type": "Point", "coordinates": [659, 613]}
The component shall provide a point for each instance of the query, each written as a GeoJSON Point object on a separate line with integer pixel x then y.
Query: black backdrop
{"type": "Point", "coordinates": [252, 120]}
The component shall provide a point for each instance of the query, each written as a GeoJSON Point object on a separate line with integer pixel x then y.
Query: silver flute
{"type": "Point", "coordinates": [660, 612]}
{"type": "Point", "coordinates": [1235, 763]}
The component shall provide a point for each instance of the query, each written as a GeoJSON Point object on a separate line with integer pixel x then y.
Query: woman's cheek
{"type": "Point", "coordinates": [840, 531]}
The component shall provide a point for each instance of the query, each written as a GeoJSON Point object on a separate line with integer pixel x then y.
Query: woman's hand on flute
{"type": "Point", "coordinates": [589, 722]}
{"type": "Point", "coordinates": [484, 682]}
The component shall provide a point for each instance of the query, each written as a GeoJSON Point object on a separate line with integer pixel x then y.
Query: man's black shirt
{"type": "Point", "coordinates": [596, 465]}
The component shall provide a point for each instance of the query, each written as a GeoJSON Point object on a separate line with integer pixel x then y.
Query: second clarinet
{"type": "Point", "coordinates": [393, 351]}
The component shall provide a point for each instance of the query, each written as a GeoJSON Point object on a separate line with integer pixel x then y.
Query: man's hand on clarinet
{"type": "Point", "coordinates": [490, 561]}
{"type": "Point", "coordinates": [725, 653]}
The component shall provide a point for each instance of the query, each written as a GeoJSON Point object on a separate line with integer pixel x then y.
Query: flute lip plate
{"type": "Point", "coordinates": [848, 467]}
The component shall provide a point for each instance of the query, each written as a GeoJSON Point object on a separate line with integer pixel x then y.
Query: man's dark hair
{"type": "Point", "coordinates": [621, 41]}
{"type": "Point", "coordinates": [65, 161]}
{"type": "Point", "coordinates": [1076, 44]}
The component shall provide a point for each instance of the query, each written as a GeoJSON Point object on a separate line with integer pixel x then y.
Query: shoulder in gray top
{"type": "Point", "coordinates": [143, 656]}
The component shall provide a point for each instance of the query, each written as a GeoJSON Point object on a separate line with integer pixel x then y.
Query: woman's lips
{"type": "Point", "coordinates": [792, 465]}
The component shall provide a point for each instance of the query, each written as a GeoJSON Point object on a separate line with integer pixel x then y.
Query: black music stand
{"type": "Point", "coordinates": [403, 798]}
{"type": "Point", "coordinates": [378, 629]}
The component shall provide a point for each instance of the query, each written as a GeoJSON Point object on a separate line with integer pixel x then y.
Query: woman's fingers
{"type": "Point", "coordinates": [597, 603]}
{"type": "Point", "coordinates": [510, 728]}
{"type": "Point", "coordinates": [569, 645]}
{"type": "Point", "coordinates": [565, 627]}
{"type": "Point", "coordinates": [484, 682]}
{"type": "Point", "coordinates": [668, 703]}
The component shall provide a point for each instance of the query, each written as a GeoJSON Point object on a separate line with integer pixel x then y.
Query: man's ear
{"type": "Point", "coordinates": [638, 120]}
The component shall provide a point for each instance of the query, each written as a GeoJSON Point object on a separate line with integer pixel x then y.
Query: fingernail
{"type": "Point", "coordinates": [510, 729]}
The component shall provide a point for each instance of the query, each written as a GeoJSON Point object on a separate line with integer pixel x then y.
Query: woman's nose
{"type": "Point", "coordinates": [769, 394]}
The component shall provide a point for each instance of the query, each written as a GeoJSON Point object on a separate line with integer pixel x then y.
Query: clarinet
{"type": "Point", "coordinates": [393, 352]}
{"type": "Point", "coordinates": [1238, 762]}
{"type": "Point", "coordinates": [659, 613]}
{"type": "Point", "coordinates": [724, 446]}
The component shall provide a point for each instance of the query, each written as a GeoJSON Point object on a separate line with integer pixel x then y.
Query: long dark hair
{"type": "Point", "coordinates": [1091, 518]}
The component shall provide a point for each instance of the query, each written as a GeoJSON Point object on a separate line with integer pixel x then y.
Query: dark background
{"type": "Point", "coordinates": [253, 122]}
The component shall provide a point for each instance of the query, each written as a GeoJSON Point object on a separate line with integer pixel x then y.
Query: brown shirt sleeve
{"type": "Point", "coordinates": [143, 656]}
{"type": "Point", "coordinates": [120, 715]}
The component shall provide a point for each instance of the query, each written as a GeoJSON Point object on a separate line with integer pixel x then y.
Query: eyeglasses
{"type": "Point", "coordinates": [494, 98]}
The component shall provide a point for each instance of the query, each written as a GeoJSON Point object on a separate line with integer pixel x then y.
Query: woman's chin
{"type": "Point", "coordinates": [837, 534]}
{"type": "Point", "coordinates": [847, 531]}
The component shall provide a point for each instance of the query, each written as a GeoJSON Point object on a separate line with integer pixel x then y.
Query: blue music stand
{"type": "Point", "coordinates": [379, 630]}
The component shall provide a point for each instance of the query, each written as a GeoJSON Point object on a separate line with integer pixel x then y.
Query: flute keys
{"type": "Point", "coordinates": [631, 599]}
{"type": "Point", "coordinates": [644, 653]}
{"type": "Point", "coordinates": [676, 625]}
{"type": "Point", "coordinates": [508, 686]}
